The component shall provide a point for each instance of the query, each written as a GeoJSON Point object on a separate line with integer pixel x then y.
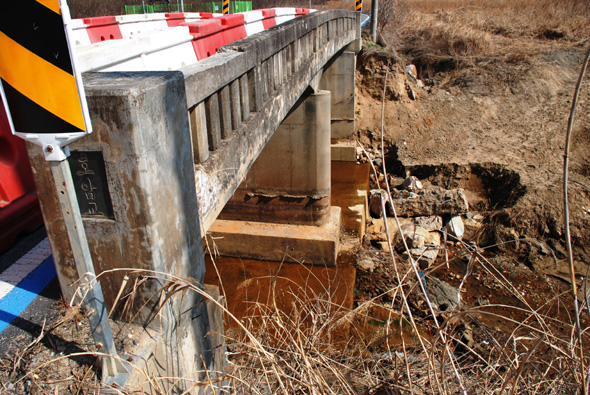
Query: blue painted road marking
{"type": "Point", "coordinates": [22, 282]}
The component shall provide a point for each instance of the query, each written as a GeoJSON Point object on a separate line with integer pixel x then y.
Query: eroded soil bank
{"type": "Point", "coordinates": [498, 132]}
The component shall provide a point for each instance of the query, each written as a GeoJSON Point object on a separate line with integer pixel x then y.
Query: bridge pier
{"type": "Point", "coordinates": [288, 185]}
{"type": "Point", "coordinates": [339, 79]}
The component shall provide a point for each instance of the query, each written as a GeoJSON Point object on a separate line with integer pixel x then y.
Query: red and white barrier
{"type": "Point", "coordinates": [207, 37]}
{"type": "Point", "coordinates": [254, 22]}
{"type": "Point", "coordinates": [166, 41]}
{"type": "Point", "coordinates": [133, 25]}
{"type": "Point", "coordinates": [169, 49]}
{"type": "Point", "coordinates": [284, 14]}
{"type": "Point", "coordinates": [102, 28]}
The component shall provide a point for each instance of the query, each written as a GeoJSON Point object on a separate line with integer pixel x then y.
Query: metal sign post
{"type": "Point", "coordinates": [114, 370]}
{"type": "Point", "coordinates": [45, 102]}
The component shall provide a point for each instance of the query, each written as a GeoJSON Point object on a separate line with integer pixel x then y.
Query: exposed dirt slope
{"type": "Point", "coordinates": [509, 117]}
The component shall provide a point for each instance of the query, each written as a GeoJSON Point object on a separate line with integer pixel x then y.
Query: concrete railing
{"type": "Point", "coordinates": [238, 98]}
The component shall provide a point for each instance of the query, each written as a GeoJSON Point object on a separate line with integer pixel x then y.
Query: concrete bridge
{"type": "Point", "coordinates": [242, 135]}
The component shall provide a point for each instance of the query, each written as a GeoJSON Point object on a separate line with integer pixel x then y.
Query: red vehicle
{"type": "Point", "coordinates": [19, 206]}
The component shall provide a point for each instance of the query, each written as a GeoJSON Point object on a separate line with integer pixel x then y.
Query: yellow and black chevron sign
{"type": "Point", "coordinates": [359, 5]}
{"type": "Point", "coordinates": [226, 6]}
{"type": "Point", "coordinates": [36, 70]}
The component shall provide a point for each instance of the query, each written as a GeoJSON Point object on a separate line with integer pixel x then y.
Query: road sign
{"type": "Point", "coordinates": [42, 92]}
{"type": "Point", "coordinates": [45, 102]}
{"type": "Point", "coordinates": [225, 7]}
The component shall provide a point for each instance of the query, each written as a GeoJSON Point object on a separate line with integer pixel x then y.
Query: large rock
{"type": "Point", "coordinates": [434, 201]}
{"type": "Point", "coordinates": [376, 228]}
{"type": "Point", "coordinates": [423, 245]}
{"type": "Point", "coordinates": [443, 296]}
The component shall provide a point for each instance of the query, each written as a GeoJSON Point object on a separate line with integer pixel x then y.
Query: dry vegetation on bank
{"type": "Point", "coordinates": [443, 35]}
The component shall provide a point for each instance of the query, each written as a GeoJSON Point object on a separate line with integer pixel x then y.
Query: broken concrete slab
{"type": "Point", "coordinates": [433, 201]}
{"type": "Point", "coordinates": [429, 202]}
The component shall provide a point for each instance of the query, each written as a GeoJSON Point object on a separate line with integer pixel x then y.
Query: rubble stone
{"type": "Point", "coordinates": [472, 227]}
{"type": "Point", "coordinates": [443, 296]}
{"type": "Point", "coordinates": [429, 223]}
{"type": "Point", "coordinates": [434, 201]}
{"type": "Point", "coordinates": [411, 184]}
{"type": "Point", "coordinates": [455, 228]}
{"type": "Point", "coordinates": [412, 71]}
{"type": "Point", "coordinates": [422, 244]}
{"type": "Point", "coordinates": [366, 265]}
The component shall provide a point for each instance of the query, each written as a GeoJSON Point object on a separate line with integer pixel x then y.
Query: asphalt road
{"type": "Point", "coordinates": [29, 291]}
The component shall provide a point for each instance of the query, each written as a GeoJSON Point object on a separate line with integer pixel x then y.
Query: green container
{"type": "Point", "coordinates": [209, 6]}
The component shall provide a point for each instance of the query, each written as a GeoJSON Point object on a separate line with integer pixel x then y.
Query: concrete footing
{"type": "Point", "coordinates": [317, 245]}
{"type": "Point", "coordinates": [350, 188]}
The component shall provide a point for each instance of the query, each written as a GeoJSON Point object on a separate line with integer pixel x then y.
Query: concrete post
{"type": "Point", "coordinates": [339, 79]}
{"type": "Point", "coordinates": [290, 180]}
{"type": "Point", "coordinates": [135, 181]}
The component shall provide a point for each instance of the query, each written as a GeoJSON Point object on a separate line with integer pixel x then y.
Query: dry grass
{"type": "Point", "coordinates": [537, 357]}
{"type": "Point", "coordinates": [444, 35]}
{"type": "Point", "coordinates": [395, 343]}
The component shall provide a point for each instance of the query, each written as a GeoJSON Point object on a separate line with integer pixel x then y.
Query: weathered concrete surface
{"type": "Point", "coordinates": [290, 180]}
{"type": "Point", "coordinates": [339, 78]}
{"type": "Point", "coordinates": [254, 286]}
{"type": "Point", "coordinates": [343, 151]}
{"type": "Point", "coordinates": [350, 188]}
{"type": "Point", "coordinates": [150, 175]}
{"type": "Point", "coordinates": [310, 244]}
{"type": "Point", "coordinates": [149, 356]}
{"type": "Point", "coordinates": [279, 64]}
